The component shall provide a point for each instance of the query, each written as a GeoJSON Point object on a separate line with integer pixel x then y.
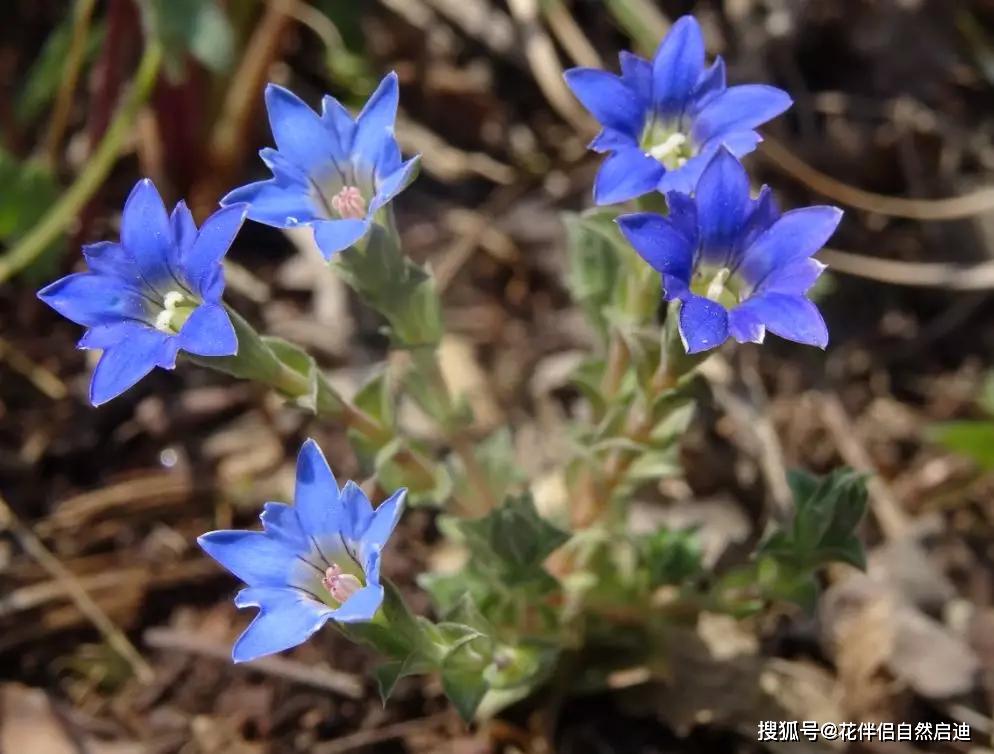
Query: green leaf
{"type": "Point", "coordinates": [828, 512]}
{"type": "Point", "coordinates": [593, 244]}
{"type": "Point", "coordinates": [390, 672]}
{"type": "Point", "coordinates": [515, 540]}
{"type": "Point", "coordinates": [495, 455]}
{"type": "Point", "coordinates": [463, 680]}
{"type": "Point", "coordinates": [195, 27]}
{"type": "Point", "coordinates": [27, 190]}
{"type": "Point", "coordinates": [671, 557]}
{"type": "Point", "coordinates": [973, 439]}
{"type": "Point", "coordinates": [375, 398]}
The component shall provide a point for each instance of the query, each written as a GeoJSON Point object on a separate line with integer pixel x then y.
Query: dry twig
{"type": "Point", "coordinates": [326, 679]}
{"type": "Point", "coordinates": [34, 547]}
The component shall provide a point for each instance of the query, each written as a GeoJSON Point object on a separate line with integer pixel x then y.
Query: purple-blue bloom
{"type": "Point", "coordinates": [156, 292]}
{"type": "Point", "coordinates": [738, 266]}
{"type": "Point", "coordinates": [664, 119]}
{"type": "Point", "coordinates": [314, 561]}
{"type": "Point", "coordinates": [330, 172]}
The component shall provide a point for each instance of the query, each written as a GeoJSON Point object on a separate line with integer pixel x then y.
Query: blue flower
{"type": "Point", "coordinates": [330, 172]}
{"type": "Point", "coordinates": [315, 561]}
{"type": "Point", "coordinates": [153, 294]}
{"type": "Point", "coordinates": [738, 266]}
{"type": "Point", "coordinates": [663, 120]}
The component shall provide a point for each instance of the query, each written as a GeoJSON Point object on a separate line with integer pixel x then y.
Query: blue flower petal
{"type": "Point", "coordinates": [184, 229]}
{"type": "Point", "coordinates": [361, 606]}
{"type": "Point", "coordinates": [683, 215]}
{"type": "Point", "coordinates": [376, 121]}
{"type": "Point", "coordinates": [795, 235]}
{"type": "Point", "coordinates": [252, 556]}
{"type": "Point", "coordinates": [209, 332]}
{"type": "Point", "coordinates": [358, 511]}
{"type": "Point", "coordinates": [124, 364]}
{"type": "Point", "coordinates": [739, 143]}
{"type": "Point", "coordinates": [281, 522]}
{"type": "Point", "coordinates": [394, 183]}
{"type": "Point", "coordinates": [765, 212]}
{"type": "Point", "coordinates": [609, 140]}
{"type": "Point", "coordinates": [148, 236]}
{"type": "Point", "coordinates": [609, 99]}
{"type": "Point", "coordinates": [91, 300]}
{"type": "Point", "coordinates": [677, 66]}
{"type": "Point", "coordinates": [298, 131]}
{"type": "Point", "coordinates": [637, 73]}
{"type": "Point", "coordinates": [316, 497]}
{"type": "Point", "coordinates": [287, 617]}
{"type": "Point", "coordinates": [723, 204]}
{"type": "Point", "coordinates": [626, 174]}
{"type": "Point", "coordinates": [664, 246]}
{"type": "Point", "coordinates": [112, 260]}
{"type": "Point", "coordinates": [745, 325]}
{"type": "Point", "coordinates": [333, 236]}
{"type": "Point", "coordinates": [273, 203]}
{"type": "Point", "coordinates": [791, 317]}
{"type": "Point", "coordinates": [684, 180]}
{"type": "Point", "coordinates": [339, 122]}
{"type": "Point", "coordinates": [384, 520]}
{"type": "Point", "coordinates": [794, 279]}
{"type": "Point", "coordinates": [740, 108]}
{"type": "Point", "coordinates": [709, 86]}
{"type": "Point", "coordinates": [103, 337]}
{"type": "Point", "coordinates": [215, 237]}
{"type": "Point", "coordinates": [703, 324]}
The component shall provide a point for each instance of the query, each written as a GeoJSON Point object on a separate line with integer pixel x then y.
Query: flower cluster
{"type": "Point", "coordinates": [663, 120]}
{"type": "Point", "coordinates": [316, 560]}
{"type": "Point", "coordinates": [736, 264]}
{"type": "Point", "coordinates": [330, 172]}
{"type": "Point", "coordinates": [153, 294]}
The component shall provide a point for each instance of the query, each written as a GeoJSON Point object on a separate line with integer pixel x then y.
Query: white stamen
{"type": "Point", "coordinates": [672, 144]}
{"type": "Point", "coordinates": [170, 302]}
{"type": "Point", "coordinates": [349, 204]}
{"type": "Point", "coordinates": [717, 284]}
{"type": "Point", "coordinates": [340, 585]}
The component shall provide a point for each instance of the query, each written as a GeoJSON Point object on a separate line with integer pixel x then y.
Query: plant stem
{"type": "Point", "coordinates": [426, 361]}
{"type": "Point", "coordinates": [92, 176]}
{"type": "Point", "coordinates": [82, 15]}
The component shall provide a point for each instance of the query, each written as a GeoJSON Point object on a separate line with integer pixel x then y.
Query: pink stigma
{"type": "Point", "coordinates": [349, 204]}
{"type": "Point", "coordinates": [340, 585]}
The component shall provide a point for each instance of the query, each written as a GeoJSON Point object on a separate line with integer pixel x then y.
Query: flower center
{"type": "Point", "coordinates": [340, 585]}
{"type": "Point", "coordinates": [667, 144]}
{"type": "Point", "coordinates": [349, 204]}
{"type": "Point", "coordinates": [719, 285]}
{"type": "Point", "coordinates": [176, 310]}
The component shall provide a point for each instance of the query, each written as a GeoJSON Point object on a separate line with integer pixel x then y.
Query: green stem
{"type": "Point", "coordinates": [93, 175]}
{"type": "Point", "coordinates": [257, 361]}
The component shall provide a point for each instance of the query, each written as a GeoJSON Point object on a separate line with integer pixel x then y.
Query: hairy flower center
{"type": "Point", "coordinates": [668, 145]}
{"type": "Point", "coordinates": [176, 310]}
{"type": "Point", "coordinates": [349, 204]}
{"type": "Point", "coordinates": [340, 585]}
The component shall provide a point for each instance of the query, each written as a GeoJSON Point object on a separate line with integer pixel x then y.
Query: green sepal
{"type": "Point", "coordinates": [402, 291]}
{"type": "Point", "coordinates": [296, 358]}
